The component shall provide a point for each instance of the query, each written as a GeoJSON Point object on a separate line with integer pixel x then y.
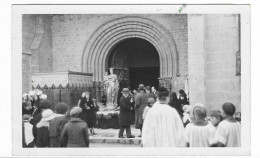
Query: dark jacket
{"type": "Point", "coordinates": [126, 116]}
{"type": "Point", "coordinates": [75, 134]}
{"type": "Point", "coordinates": [141, 100]}
{"type": "Point", "coordinates": [56, 126]}
{"type": "Point", "coordinates": [88, 115]}
{"type": "Point", "coordinates": [36, 118]}
{"type": "Point", "coordinates": [43, 134]}
{"type": "Point", "coordinates": [175, 103]}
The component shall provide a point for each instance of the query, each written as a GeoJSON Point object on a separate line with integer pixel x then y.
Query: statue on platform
{"type": "Point", "coordinates": [112, 87]}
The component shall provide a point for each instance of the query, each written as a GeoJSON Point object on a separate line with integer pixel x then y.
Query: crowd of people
{"type": "Point", "coordinates": [61, 127]}
{"type": "Point", "coordinates": [163, 122]}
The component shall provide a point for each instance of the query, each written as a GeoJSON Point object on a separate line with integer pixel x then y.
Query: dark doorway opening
{"type": "Point", "coordinates": [145, 75]}
{"type": "Point", "coordinates": [136, 61]}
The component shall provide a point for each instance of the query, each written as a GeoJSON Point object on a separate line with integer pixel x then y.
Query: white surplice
{"type": "Point", "coordinates": [163, 127]}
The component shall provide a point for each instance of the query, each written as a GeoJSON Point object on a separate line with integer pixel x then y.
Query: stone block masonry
{"type": "Point", "coordinates": [213, 43]}
{"type": "Point", "coordinates": [71, 35]}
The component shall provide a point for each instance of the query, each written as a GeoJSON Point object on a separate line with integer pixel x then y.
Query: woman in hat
{"type": "Point", "coordinates": [43, 134]}
{"type": "Point", "coordinates": [88, 112]}
{"type": "Point", "coordinates": [37, 116]}
{"type": "Point", "coordinates": [75, 132]}
{"type": "Point", "coordinates": [184, 100]}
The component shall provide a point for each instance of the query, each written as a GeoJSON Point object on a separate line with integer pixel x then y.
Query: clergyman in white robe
{"type": "Point", "coordinates": [163, 127]}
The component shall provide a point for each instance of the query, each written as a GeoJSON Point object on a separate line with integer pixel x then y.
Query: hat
{"type": "Point", "coordinates": [125, 90]}
{"type": "Point", "coordinates": [75, 111]}
{"type": "Point", "coordinates": [141, 87]}
{"type": "Point", "coordinates": [151, 100]}
{"type": "Point", "coordinates": [25, 95]}
{"type": "Point", "coordinates": [31, 93]}
{"type": "Point", "coordinates": [26, 117]}
{"type": "Point", "coordinates": [87, 92]}
{"type": "Point", "coordinates": [83, 95]}
{"type": "Point", "coordinates": [39, 93]}
{"type": "Point", "coordinates": [47, 115]}
{"type": "Point", "coordinates": [43, 96]}
{"type": "Point", "coordinates": [45, 104]}
{"type": "Point", "coordinates": [61, 108]}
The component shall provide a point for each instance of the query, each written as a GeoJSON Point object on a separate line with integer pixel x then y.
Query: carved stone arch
{"type": "Point", "coordinates": [114, 31]}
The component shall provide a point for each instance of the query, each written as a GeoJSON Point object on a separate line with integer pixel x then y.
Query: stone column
{"type": "Point", "coordinates": [196, 51]}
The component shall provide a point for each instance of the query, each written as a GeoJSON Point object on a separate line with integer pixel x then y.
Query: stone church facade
{"type": "Point", "coordinates": [200, 53]}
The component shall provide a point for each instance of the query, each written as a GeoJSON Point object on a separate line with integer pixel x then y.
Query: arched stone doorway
{"type": "Point", "coordinates": [136, 61]}
{"type": "Point", "coordinates": [111, 32]}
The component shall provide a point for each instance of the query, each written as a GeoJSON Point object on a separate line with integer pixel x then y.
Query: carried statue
{"type": "Point", "coordinates": [111, 83]}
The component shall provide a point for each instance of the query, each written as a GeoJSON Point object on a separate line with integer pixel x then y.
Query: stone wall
{"type": "Point", "coordinates": [196, 59]}
{"type": "Point", "coordinates": [36, 46]}
{"type": "Point", "coordinates": [71, 33]}
{"type": "Point", "coordinates": [28, 28]}
{"type": "Point", "coordinates": [222, 43]}
{"type": "Point", "coordinates": [213, 43]}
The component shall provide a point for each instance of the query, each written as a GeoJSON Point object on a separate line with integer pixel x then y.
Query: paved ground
{"type": "Point", "coordinates": [109, 138]}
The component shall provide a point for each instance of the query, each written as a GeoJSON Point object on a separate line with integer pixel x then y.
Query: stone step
{"type": "Point", "coordinates": [122, 141]}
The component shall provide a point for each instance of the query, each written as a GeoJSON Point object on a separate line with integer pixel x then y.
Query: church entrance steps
{"type": "Point", "coordinates": [109, 138]}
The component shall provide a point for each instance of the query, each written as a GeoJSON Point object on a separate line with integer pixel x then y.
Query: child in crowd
{"type": "Point", "coordinates": [238, 117]}
{"type": "Point", "coordinates": [229, 130]}
{"type": "Point", "coordinates": [57, 124]}
{"type": "Point", "coordinates": [186, 115]}
{"type": "Point", "coordinates": [27, 131]}
{"type": "Point", "coordinates": [151, 101]}
{"type": "Point", "coordinates": [215, 117]}
{"type": "Point", "coordinates": [200, 133]}
{"type": "Point", "coordinates": [43, 134]}
{"type": "Point", "coordinates": [75, 132]}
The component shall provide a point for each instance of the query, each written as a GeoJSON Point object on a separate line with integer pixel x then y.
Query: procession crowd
{"type": "Point", "coordinates": [163, 122]}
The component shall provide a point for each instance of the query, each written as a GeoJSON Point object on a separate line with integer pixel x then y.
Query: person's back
{"type": "Point", "coordinates": [229, 130]}
{"type": "Point", "coordinates": [229, 133]}
{"type": "Point", "coordinates": [141, 100]}
{"type": "Point", "coordinates": [163, 127]}
{"type": "Point", "coordinates": [76, 131]}
{"type": "Point", "coordinates": [56, 126]}
{"type": "Point", "coordinates": [200, 135]}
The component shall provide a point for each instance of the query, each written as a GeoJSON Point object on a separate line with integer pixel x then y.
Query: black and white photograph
{"type": "Point", "coordinates": [104, 78]}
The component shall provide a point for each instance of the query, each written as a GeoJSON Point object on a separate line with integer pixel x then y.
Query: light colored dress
{"type": "Point", "coordinates": [200, 136]}
{"type": "Point", "coordinates": [28, 132]}
{"type": "Point", "coordinates": [146, 109]}
{"type": "Point", "coordinates": [229, 133]}
{"type": "Point", "coordinates": [163, 127]}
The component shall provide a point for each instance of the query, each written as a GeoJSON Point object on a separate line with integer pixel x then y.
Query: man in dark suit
{"type": "Point", "coordinates": [126, 115]}
{"type": "Point", "coordinates": [141, 101]}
